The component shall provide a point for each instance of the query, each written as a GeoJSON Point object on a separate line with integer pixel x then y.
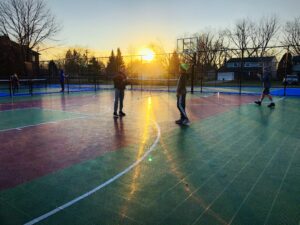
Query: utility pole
{"type": "Point", "coordinates": [193, 72]}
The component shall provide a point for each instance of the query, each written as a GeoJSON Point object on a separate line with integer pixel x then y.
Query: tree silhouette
{"type": "Point", "coordinates": [174, 64]}
{"type": "Point", "coordinates": [111, 67]}
{"type": "Point", "coordinates": [285, 65]}
{"type": "Point", "coordinates": [29, 23]}
{"type": "Point", "coordinates": [119, 61]}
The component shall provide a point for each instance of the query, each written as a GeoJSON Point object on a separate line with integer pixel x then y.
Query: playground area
{"type": "Point", "coordinates": [64, 159]}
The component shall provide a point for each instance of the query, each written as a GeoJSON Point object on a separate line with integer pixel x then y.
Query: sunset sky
{"type": "Point", "coordinates": [103, 25]}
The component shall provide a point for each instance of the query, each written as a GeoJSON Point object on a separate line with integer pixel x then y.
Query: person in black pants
{"type": "Point", "coordinates": [15, 83]}
{"type": "Point", "coordinates": [62, 78]}
{"type": "Point", "coordinates": [265, 79]}
{"type": "Point", "coordinates": [181, 95]}
{"type": "Point", "coordinates": [120, 82]}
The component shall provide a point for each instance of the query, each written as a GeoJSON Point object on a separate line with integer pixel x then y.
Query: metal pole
{"type": "Point", "coordinates": [68, 83]}
{"type": "Point", "coordinates": [10, 87]}
{"type": "Point", "coordinates": [30, 86]}
{"type": "Point", "coordinates": [141, 73]}
{"type": "Point", "coordinates": [202, 81]}
{"type": "Point", "coordinates": [285, 72]}
{"type": "Point", "coordinates": [131, 71]}
{"type": "Point", "coordinates": [242, 71]}
{"type": "Point", "coordinates": [95, 84]}
{"type": "Point", "coordinates": [193, 73]}
{"type": "Point", "coordinates": [169, 73]}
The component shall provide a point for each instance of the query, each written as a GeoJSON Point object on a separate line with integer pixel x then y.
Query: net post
{"type": "Point", "coordinates": [193, 72]}
{"type": "Point", "coordinates": [286, 64]}
{"type": "Point", "coordinates": [95, 85]}
{"type": "Point", "coordinates": [10, 87]}
{"type": "Point", "coordinates": [241, 72]}
{"type": "Point", "coordinates": [30, 82]}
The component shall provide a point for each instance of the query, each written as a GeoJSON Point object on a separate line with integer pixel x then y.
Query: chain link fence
{"type": "Point", "coordinates": [222, 71]}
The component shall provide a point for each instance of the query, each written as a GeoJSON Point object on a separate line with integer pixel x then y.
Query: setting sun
{"type": "Point", "coordinates": [147, 54]}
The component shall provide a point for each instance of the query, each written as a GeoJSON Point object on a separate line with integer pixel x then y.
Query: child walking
{"type": "Point", "coordinates": [265, 79]}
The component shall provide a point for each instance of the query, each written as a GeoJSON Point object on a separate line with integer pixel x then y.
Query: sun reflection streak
{"type": "Point", "coordinates": [149, 116]}
{"type": "Point", "coordinates": [141, 150]}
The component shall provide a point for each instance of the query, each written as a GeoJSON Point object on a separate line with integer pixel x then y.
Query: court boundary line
{"type": "Point", "coordinates": [44, 123]}
{"type": "Point", "coordinates": [81, 116]}
{"type": "Point", "coordinates": [106, 183]}
{"type": "Point", "coordinates": [228, 104]}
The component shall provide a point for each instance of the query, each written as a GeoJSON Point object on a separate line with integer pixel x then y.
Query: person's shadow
{"type": "Point", "coordinates": [182, 137]}
{"type": "Point", "coordinates": [265, 115]}
{"type": "Point", "coordinates": [63, 102]}
{"type": "Point", "coordinates": [119, 131]}
{"type": "Point", "coordinates": [265, 121]}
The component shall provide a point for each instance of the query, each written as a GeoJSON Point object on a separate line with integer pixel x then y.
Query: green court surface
{"type": "Point", "coordinates": [237, 163]}
{"type": "Point", "coordinates": [21, 118]}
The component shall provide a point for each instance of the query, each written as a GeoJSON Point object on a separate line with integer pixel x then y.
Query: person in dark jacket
{"type": "Point", "coordinates": [181, 95]}
{"type": "Point", "coordinates": [265, 79]}
{"type": "Point", "coordinates": [15, 83]}
{"type": "Point", "coordinates": [120, 82]}
{"type": "Point", "coordinates": [62, 78]}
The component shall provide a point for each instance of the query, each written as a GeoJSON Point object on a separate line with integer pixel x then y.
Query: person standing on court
{"type": "Point", "coordinates": [120, 82]}
{"type": "Point", "coordinates": [265, 79]}
{"type": "Point", "coordinates": [62, 79]}
{"type": "Point", "coordinates": [15, 83]}
{"type": "Point", "coordinates": [181, 95]}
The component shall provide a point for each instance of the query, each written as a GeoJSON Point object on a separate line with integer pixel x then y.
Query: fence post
{"type": "Point", "coordinates": [10, 87]}
{"type": "Point", "coordinates": [242, 71]}
{"type": "Point", "coordinates": [285, 72]}
{"type": "Point", "coordinates": [193, 73]}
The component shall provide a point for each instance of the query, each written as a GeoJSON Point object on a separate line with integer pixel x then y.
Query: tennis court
{"type": "Point", "coordinates": [65, 160]}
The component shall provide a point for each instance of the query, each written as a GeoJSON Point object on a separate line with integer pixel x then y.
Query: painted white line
{"type": "Point", "coordinates": [38, 124]}
{"type": "Point", "coordinates": [64, 111]}
{"type": "Point", "coordinates": [108, 111]}
{"type": "Point", "coordinates": [18, 109]}
{"type": "Point", "coordinates": [75, 200]}
{"type": "Point", "coordinates": [219, 104]}
{"type": "Point", "coordinates": [266, 102]}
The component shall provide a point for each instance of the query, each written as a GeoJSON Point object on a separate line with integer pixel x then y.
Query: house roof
{"type": "Point", "coordinates": [238, 69]}
{"type": "Point", "coordinates": [252, 59]}
{"type": "Point", "coordinates": [5, 40]}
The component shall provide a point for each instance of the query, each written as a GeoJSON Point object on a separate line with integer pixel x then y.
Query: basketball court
{"type": "Point", "coordinates": [65, 160]}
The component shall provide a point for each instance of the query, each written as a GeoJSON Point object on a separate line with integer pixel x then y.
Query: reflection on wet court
{"type": "Point", "coordinates": [64, 159]}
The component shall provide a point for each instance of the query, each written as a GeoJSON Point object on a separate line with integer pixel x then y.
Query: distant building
{"type": "Point", "coordinates": [11, 60]}
{"type": "Point", "coordinates": [232, 69]}
{"type": "Point", "coordinates": [296, 65]}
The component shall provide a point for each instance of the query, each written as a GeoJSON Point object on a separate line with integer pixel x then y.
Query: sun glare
{"type": "Point", "coordinates": [147, 54]}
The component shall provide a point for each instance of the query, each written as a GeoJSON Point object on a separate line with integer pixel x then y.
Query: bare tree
{"type": "Point", "coordinates": [253, 39]}
{"type": "Point", "coordinates": [292, 35]}
{"type": "Point", "coordinates": [28, 22]}
{"type": "Point", "coordinates": [266, 31]}
{"type": "Point", "coordinates": [160, 54]}
{"type": "Point", "coordinates": [242, 37]}
{"type": "Point", "coordinates": [211, 50]}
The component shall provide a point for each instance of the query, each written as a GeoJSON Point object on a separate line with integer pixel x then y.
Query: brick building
{"type": "Point", "coordinates": [12, 59]}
